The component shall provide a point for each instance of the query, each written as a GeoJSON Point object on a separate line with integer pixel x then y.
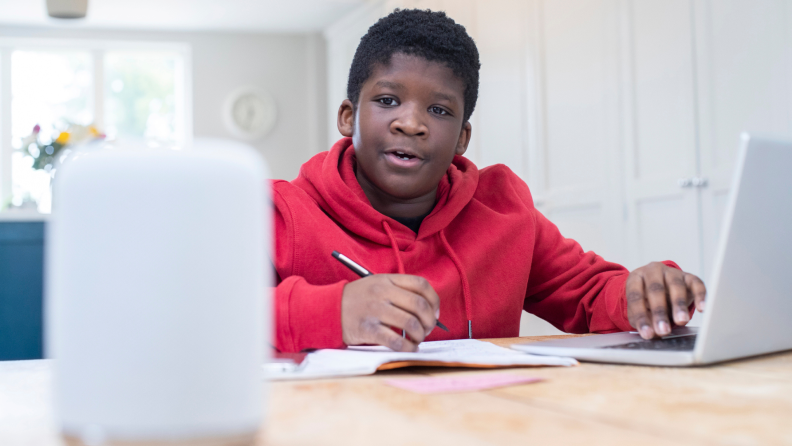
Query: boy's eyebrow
{"type": "Point", "coordinates": [398, 86]}
{"type": "Point", "coordinates": [391, 85]}
{"type": "Point", "coordinates": [447, 97]}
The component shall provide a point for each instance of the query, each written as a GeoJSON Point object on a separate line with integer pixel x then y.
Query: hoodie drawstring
{"type": "Point", "coordinates": [454, 259]}
{"type": "Point", "coordinates": [463, 276]}
{"type": "Point", "coordinates": [395, 247]}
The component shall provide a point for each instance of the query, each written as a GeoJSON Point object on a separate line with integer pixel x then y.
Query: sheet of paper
{"type": "Point", "coordinates": [442, 384]}
{"type": "Point", "coordinates": [355, 361]}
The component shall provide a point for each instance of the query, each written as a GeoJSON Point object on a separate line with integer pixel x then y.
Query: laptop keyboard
{"type": "Point", "coordinates": [678, 343]}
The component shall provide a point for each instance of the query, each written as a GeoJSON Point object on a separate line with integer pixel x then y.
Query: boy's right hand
{"type": "Point", "coordinates": [373, 304]}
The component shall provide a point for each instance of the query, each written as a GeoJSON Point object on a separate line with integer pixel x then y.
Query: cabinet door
{"type": "Point", "coordinates": [21, 290]}
{"type": "Point", "coordinates": [572, 124]}
{"type": "Point", "coordinates": [660, 133]}
{"type": "Point", "coordinates": [745, 71]}
{"type": "Point", "coordinates": [573, 120]}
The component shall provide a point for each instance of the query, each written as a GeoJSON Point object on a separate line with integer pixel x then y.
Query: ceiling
{"type": "Point", "coordinates": [194, 15]}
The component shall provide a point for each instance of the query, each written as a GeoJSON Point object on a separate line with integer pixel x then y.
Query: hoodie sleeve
{"type": "Point", "coordinates": [307, 316]}
{"type": "Point", "coordinates": [576, 291]}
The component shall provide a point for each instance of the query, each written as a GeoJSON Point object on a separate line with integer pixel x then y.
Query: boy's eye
{"type": "Point", "coordinates": [438, 110]}
{"type": "Point", "coordinates": [387, 101]}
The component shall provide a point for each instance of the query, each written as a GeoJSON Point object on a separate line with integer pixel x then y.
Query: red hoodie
{"type": "Point", "coordinates": [485, 249]}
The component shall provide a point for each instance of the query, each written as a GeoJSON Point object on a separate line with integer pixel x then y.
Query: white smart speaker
{"type": "Point", "coordinates": [156, 294]}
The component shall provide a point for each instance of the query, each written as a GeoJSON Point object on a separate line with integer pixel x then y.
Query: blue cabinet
{"type": "Point", "coordinates": [21, 289]}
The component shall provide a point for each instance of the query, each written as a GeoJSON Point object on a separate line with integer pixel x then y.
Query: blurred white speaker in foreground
{"type": "Point", "coordinates": [156, 306]}
{"type": "Point", "coordinates": [67, 9]}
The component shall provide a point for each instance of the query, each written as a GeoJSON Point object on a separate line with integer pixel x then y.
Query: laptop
{"type": "Point", "coordinates": [749, 299]}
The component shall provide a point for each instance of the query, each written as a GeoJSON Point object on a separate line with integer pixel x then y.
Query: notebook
{"type": "Point", "coordinates": [357, 361]}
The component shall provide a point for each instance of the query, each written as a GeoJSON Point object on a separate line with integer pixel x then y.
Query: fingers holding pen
{"type": "Point", "coordinates": [393, 316]}
{"type": "Point", "coordinates": [382, 335]}
{"type": "Point", "coordinates": [421, 288]}
{"type": "Point", "coordinates": [373, 304]}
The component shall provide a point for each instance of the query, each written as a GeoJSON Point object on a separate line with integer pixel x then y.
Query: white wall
{"type": "Point", "coordinates": [291, 67]}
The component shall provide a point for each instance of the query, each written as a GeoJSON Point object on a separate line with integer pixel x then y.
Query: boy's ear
{"type": "Point", "coordinates": [464, 138]}
{"type": "Point", "coordinates": [346, 118]}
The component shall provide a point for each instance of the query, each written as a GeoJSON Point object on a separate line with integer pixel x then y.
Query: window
{"type": "Point", "coordinates": [48, 90]}
{"type": "Point", "coordinates": [71, 91]}
{"type": "Point", "coordinates": [141, 95]}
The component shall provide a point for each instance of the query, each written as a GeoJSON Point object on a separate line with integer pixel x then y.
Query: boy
{"type": "Point", "coordinates": [450, 241]}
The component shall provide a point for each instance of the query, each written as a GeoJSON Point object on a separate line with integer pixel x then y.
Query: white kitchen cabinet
{"type": "Point", "coordinates": [744, 66]}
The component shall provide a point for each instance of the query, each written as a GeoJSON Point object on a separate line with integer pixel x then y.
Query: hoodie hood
{"type": "Point", "coordinates": [329, 178]}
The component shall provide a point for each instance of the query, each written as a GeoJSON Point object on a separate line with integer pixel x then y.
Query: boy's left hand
{"type": "Point", "coordinates": [654, 290]}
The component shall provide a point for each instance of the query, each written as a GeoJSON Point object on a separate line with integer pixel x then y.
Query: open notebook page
{"type": "Point", "coordinates": [355, 361]}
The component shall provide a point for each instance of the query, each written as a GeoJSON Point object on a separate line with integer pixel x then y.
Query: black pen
{"type": "Point", "coordinates": [363, 272]}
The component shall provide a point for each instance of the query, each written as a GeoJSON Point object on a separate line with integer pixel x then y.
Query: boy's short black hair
{"type": "Point", "coordinates": [430, 35]}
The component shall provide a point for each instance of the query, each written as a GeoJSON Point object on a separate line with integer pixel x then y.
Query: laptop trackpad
{"type": "Point", "coordinates": [623, 340]}
{"type": "Point", "coordinates": [678, 343]}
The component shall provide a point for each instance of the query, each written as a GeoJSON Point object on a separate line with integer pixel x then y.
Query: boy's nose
{"type": "Point", "coordinates": [410, 123]}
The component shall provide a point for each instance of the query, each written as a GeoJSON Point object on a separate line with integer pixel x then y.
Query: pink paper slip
{"type": "Point", "coordinates": [442, 384]}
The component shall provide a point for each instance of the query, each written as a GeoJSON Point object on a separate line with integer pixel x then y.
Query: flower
{"type": "Point", "coordinates": [63, 138]}
{"type": "Point", "coordinates": [45, 156]}
{"type": "Point", "coordinates": [94, 132]}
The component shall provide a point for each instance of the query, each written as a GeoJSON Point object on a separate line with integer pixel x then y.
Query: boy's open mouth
{"type": "Point", "coordinates": [403, 155]}
{"type": "Point", "coordinates": [403, 159]}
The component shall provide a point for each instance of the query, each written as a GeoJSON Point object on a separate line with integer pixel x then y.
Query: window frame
{"type": "Point", "coordinates": [97, 49]}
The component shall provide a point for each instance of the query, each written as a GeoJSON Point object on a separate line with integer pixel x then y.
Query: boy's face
{"type": "Point", "coordinates": [407, 127]}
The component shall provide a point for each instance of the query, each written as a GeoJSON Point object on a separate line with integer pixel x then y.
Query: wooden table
{"type": "Point", "coordinates": [743, 402]}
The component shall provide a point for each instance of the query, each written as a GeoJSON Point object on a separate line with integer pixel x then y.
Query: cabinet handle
{"type": "Point", "coordinates": [692, 182]}
{"type": "Point", "coordinates": [699, 182]}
